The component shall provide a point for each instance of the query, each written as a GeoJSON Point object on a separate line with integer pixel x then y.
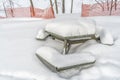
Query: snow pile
{"type": "Point", "coordinates": [98, 31]}
{"type": "Point", "coordinates": [106, 37]}
{"type": "Point", "coordinates": [41, 34]}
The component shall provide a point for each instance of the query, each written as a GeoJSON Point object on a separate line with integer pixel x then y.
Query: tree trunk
{"type": "Point", "coordinates": [51, 3]}
{"type": "Point", "coordinates": [56, 7]}
{"type": "Point", "coordinates": [71, 5]}
{"type": "Point", "coordinates": [32, 11]}
{"type": "Point", "coordinates": [5, 10]}
{"type": "Point", "coordinates": [11, 8]}
{"type": "Point", "coordinates": [63, 6]}
{"type": "Point", "coordinates": [100, 4]}
{"type": "Point", "coordinates": [111, 7]}
{"type": "Point", "coordinates": [115, 4]}
{"type": "Point", "coordinates": [107, 5]}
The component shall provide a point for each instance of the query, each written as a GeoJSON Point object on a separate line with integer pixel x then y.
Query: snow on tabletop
{"type": "Point", "coordinates": [71, 27]}
{"type": "Point", "coordinates": [58, 60]}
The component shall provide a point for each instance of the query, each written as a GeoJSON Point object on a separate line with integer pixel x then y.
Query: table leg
{"type": "Point", "coordinates": [66, 47]}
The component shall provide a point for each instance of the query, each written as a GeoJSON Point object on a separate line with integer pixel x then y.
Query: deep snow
{"type": "Point", "coordinates": [18, 47]}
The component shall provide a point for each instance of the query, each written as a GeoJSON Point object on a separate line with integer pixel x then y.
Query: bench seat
{"type": "Point", "coordinates": [58, 62]}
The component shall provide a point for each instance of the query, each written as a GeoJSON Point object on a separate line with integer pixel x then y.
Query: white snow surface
{"type": "Point", "coordinates": [18, 47]}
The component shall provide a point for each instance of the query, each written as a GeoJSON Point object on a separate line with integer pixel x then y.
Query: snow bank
{"type": "Point", "coordinates": [18, 46]}
{"type": "Point", "coordinates": [16, 76]}
{"type": "Point", "coordinates": [21, 19]}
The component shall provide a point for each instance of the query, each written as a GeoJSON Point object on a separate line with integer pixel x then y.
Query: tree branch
{"type": "Point", "coordinates": [100, 5]}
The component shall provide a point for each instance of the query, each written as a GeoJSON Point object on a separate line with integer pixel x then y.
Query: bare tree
{"type": "Point", "coordinates": [116, 4]}
{"type": "Point", "coordinates": [107, 5]}
{"type": "Point", "coordinates": [32, 8]}
{"type": "Point", "coordinates": [63, 6]}
{"type": "Point", "coordinates": [111, 4]}
{"type": "Point", "coordinates": [100, 3]}
{"type": "Point", "coordinates": [111, 7]}
{"type": "Point", "coordinates": [8, 6]}
{"type": "Point", "coordinates": [5, 9]}
{"type": "Point", "coordinates": [56, 6]}
{"type": "Point", "coordinates": [11, 7]}
{"type": "Point", "coordinates": [71, 5]}
{"type": "Point", "coordinates": [51, 3]}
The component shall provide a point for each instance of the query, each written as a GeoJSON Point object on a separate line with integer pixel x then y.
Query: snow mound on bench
{"type": "Point", "coordinates": [58, 60]}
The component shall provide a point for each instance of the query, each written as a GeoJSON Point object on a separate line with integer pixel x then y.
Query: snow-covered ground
{"type": "Point", "coordinates": [18, 46]}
